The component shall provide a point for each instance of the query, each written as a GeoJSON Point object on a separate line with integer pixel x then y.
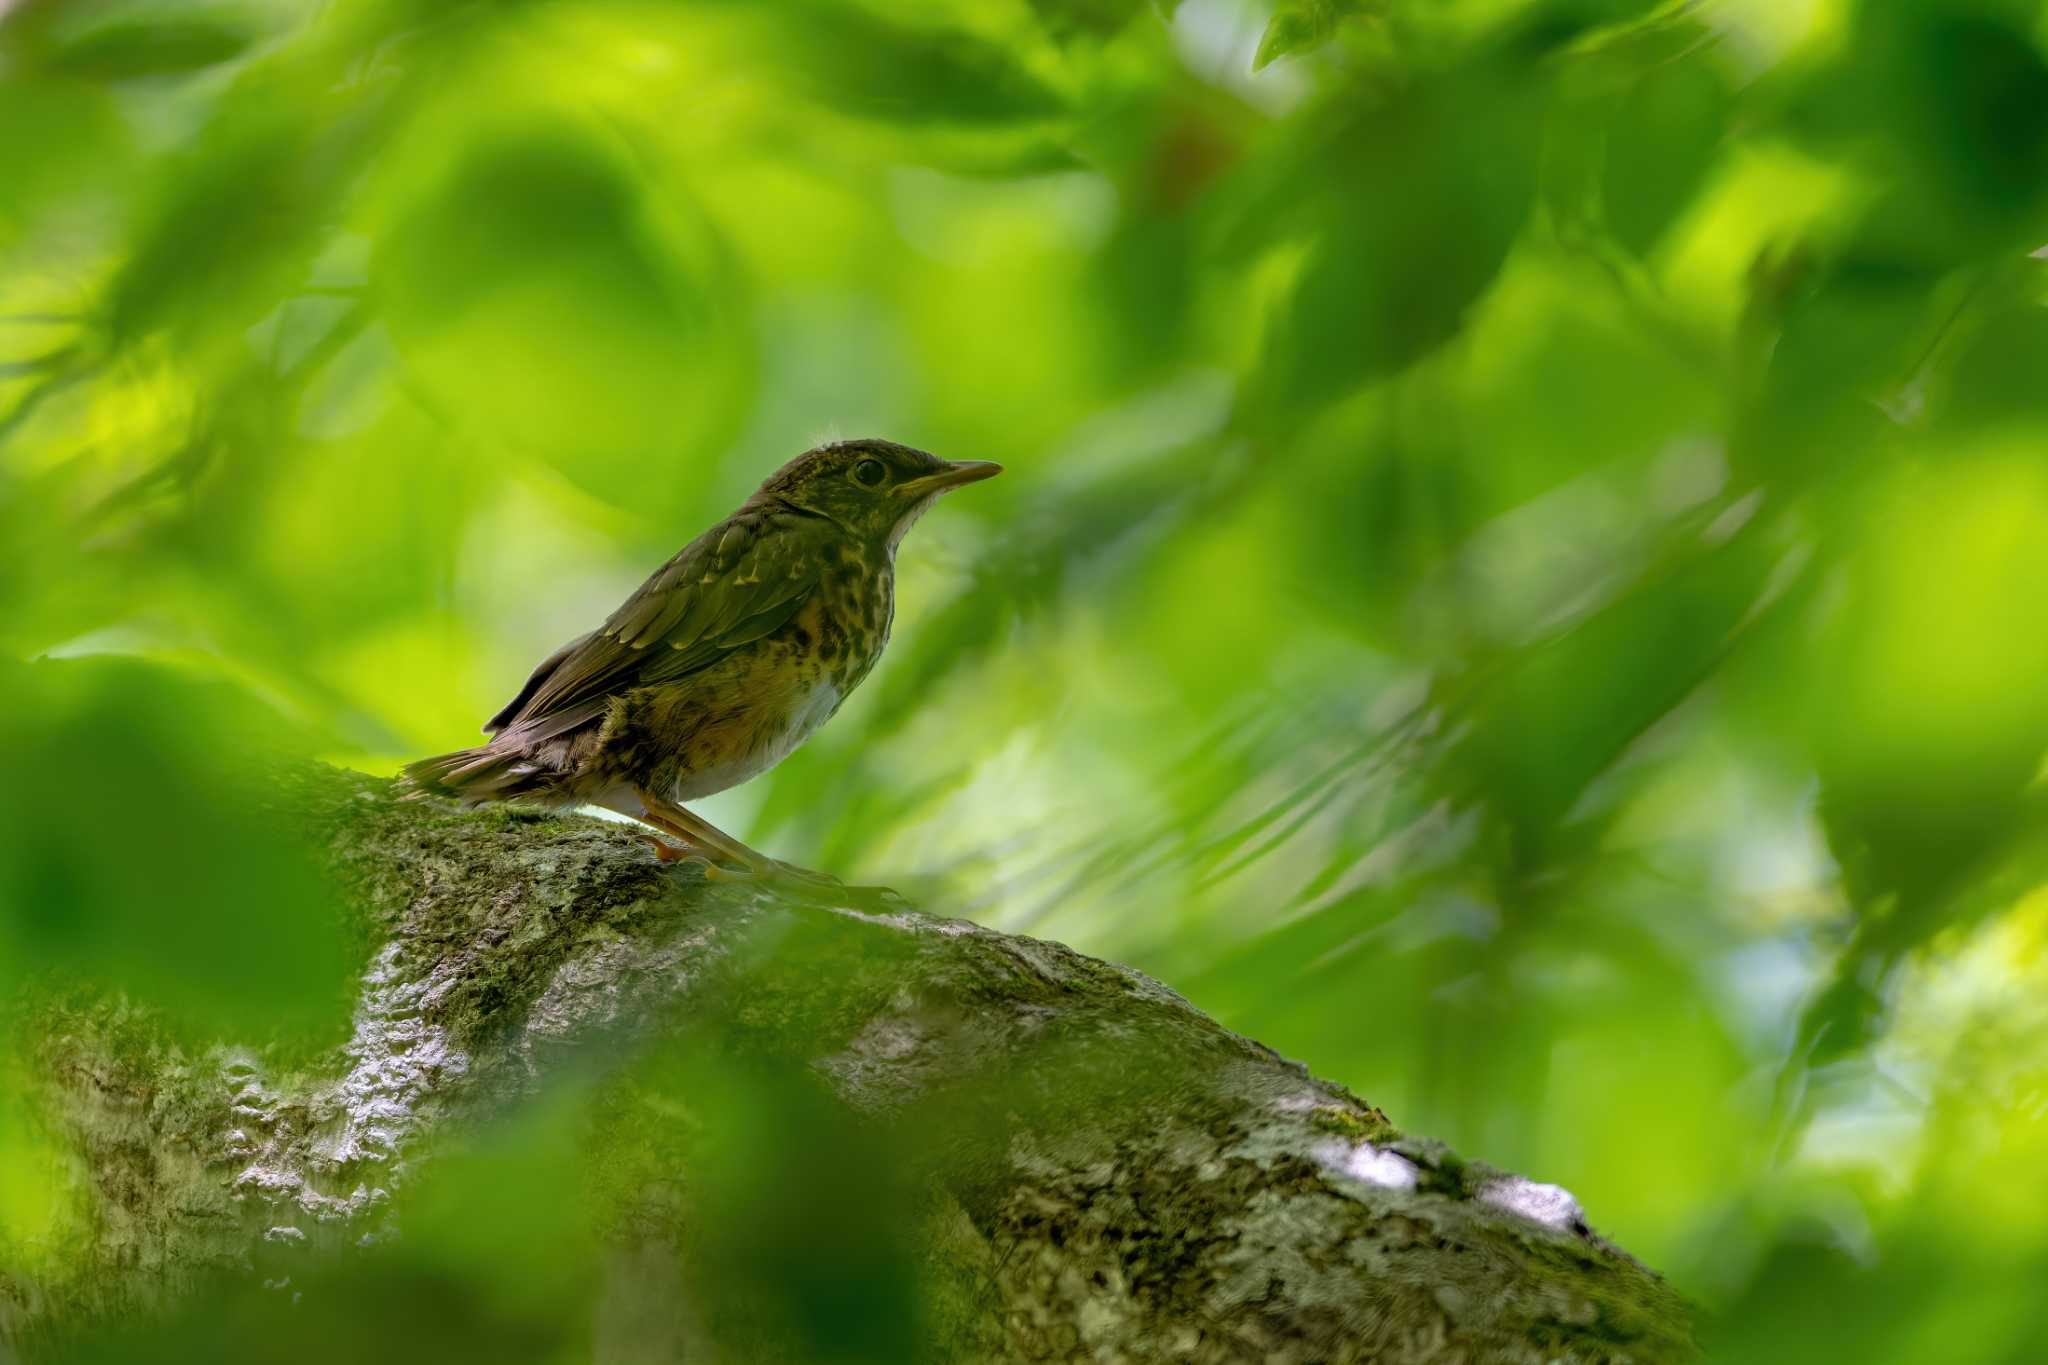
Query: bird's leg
{"type": "Point", "coordinates": [698, 832]}
{"type": "Point", "coordinates": [665, 851]}
{"type": "Point", "coordinates": [667, 815]}
{"type": "Point", "coordinates": [672, 844]}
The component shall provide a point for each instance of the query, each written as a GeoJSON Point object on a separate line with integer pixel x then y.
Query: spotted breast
{"type": "Point", "coordinates": [742, 716]}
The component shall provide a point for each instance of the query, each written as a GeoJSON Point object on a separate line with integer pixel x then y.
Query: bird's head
{"type": "Point", "coordinates": [874, 489]}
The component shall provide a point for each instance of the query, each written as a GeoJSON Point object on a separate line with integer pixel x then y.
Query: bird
{"type": "Point", "coordinates": [726, 659]}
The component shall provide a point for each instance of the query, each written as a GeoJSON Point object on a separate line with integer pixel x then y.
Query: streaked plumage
{"type": "Point", "coordinates": [725, 660]}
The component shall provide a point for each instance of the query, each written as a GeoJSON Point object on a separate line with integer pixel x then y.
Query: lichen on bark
{"type": "Point", "coordinates": [1089, 1168]}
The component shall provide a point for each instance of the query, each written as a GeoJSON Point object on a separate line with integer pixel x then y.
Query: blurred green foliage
{"type": "Point", "coordinates": [1521, 581]}
{"type": "Point", "coordinates": [141, 849]}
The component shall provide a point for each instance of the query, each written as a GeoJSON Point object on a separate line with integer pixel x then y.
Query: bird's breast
{"type": "Point", "coordinates": [771, 698]}
{"type": "Point", "coordinates": [846, 623]}
{"type": "Point", "coordinates": [755, 740]}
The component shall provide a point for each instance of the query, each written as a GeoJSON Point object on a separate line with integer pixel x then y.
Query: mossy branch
{"type": "Point", "coordinates": [1097, 1170]}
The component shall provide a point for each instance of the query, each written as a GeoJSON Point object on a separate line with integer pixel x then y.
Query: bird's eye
{"type": "Point", "coordinates": [868, 473]}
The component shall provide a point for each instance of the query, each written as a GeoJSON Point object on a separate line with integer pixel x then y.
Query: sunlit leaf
{"type": "Point", "coordinates": [1302, 25]}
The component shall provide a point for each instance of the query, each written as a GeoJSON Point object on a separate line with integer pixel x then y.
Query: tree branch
{"type": "Point", "coordinates": [1103, 1172]}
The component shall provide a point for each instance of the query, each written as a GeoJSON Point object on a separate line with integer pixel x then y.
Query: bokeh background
{"type": "Point", "coordinates": [1522, 580]}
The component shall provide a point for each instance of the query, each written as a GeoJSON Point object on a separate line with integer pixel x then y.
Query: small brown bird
{"type": "Point", "coordinates": [724, 661]}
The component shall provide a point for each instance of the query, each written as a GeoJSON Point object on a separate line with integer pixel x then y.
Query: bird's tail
{"type": "Point", "coordinates": [485, 773]}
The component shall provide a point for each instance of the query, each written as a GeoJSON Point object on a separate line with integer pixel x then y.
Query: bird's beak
{"type": "Point", "coordinates": [955, 473]}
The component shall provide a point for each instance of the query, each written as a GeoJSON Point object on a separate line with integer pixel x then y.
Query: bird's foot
{"type": "Point", "coordinates": [802, 885]}
{"type": "Point", "coordinates": [667, 852]}
{"type": "Point", "coordinates": [748, 868]}
{"type": "Point", "coordinates": [671, 848]}
{"type": "Point", "coordinates": [773, 872]}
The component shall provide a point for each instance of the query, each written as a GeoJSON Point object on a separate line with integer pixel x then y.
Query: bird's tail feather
{"type": "Point", "coordinates": [485, 773]}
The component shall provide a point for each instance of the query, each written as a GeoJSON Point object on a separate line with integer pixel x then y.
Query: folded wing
{"type": "Point", "coordinates": [738, 582]}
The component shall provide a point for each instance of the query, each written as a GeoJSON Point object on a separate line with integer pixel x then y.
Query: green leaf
{"type": "Point", "coordinates": [1301, 26]}
{"type": "Point", "coordinates": [146, 851]}
{"type": "Point", "coordinates": [122, 42]}
{"type": "Point", "coordinates": [853, 58]}
{"type": "Point", "coordinates": [1396, 251]}
{"type": "Point", "coordinates": [1661, 143]}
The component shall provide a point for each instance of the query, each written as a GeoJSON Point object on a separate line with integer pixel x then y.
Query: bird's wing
{"type": "Point", "coordinates": [541, 674]}
{"type": "Point", "coordinates": [739, 581]}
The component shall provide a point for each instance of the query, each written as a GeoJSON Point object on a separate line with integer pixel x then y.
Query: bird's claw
{"type": "Point", "coordinates": [795, 884]}
{"type": "Point", "coordinates": [669, 855]}
{"type": "Point", "coordinates": [773, 872]}
{"type": "Point", "coordinates": [790, 872]}
{"type": "Point", "coordinates": [769, 872]}
{"type": "Point", "coordinates": [719, 872]}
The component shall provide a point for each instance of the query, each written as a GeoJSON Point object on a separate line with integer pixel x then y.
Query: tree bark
{"type": "Point", "coordinates": [1095, 1169]}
